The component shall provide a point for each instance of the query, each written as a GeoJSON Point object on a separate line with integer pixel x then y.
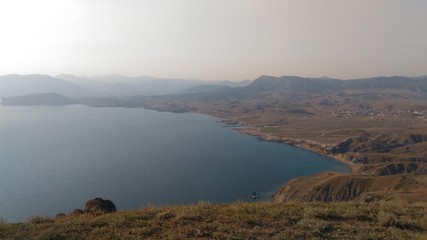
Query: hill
{"type": "Point", "coordinates": [17, 85]}
{"type": "Point", "coordinates": [376, 125]}
{"type": "Point", "coordinates": [293, 84]}
{"type": "Point", "coordinates": [102, 86]}
{"type": "Point", "coordinates": [38, 99]}
{"type": "Point", "coordinates": [120, 86]}
{"type": "Point", "coordinates": [204, 89]}
{"type": "Point", "coordinates": [261, 220]}
{"type": "Point", "coordinates": [333, 187]}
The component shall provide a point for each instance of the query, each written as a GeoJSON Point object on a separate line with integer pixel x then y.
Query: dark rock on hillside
{"type": "Point", "coordinates": [100, 205]}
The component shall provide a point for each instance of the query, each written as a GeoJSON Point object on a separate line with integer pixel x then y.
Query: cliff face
{"type": "Point", "coordinates": [346, 187]}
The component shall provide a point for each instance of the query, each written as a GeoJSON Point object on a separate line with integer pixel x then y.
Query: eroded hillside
{"type": "Point", "coordinates": [335, 187]}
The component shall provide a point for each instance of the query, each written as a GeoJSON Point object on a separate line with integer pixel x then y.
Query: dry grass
{"type": "Point", "coordinates": [40, 219]}
{"type": "Point", "coordinates": [263, 220]}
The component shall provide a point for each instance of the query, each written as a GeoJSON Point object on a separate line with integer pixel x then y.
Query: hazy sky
{"type": "Point", "coordinates": [214, 39]}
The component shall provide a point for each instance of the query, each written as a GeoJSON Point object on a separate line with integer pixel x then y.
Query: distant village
{"type": "Point", "coordinates": [382, 114]}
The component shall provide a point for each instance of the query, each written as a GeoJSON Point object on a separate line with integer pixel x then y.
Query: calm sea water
{"type": "Point", "coordinates": [54, 159]}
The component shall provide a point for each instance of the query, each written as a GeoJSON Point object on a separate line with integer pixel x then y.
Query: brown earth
{"type": "Point", "coordinates": [332, 187]}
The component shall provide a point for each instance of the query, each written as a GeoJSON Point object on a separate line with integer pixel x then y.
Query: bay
{"type": "Point", "coordinates": [55, 158]}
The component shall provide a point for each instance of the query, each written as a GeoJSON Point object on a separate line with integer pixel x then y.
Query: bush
{"type": "Point", "coordinates": [40, 219]}
{"type": "Point", "coordinates": [387, 219]}
{"type": "Point", "coordinates": [423, 222]}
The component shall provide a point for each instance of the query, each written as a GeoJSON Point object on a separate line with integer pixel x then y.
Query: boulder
{"type": "Point", "coordinates": [100, 205]}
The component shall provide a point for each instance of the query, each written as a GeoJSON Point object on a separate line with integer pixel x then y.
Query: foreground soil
{"type": "Point", "coordinates": [260, 220]}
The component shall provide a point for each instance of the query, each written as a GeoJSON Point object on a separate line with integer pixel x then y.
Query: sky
{"type": "Point", "coordinates": [214, 39]}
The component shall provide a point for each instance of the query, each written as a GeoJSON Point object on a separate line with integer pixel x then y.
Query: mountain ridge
{"type": "Point", "coordinates": [38, 99]}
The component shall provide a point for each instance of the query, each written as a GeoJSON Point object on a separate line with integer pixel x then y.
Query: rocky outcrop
{"type": "Point", "coordinates": [100, 205]}
{"type": "Point", "coordinates": [329, 187]}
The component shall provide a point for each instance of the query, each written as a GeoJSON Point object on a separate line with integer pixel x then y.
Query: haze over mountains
{"type": "Point", "coordinates": [102, 86]}
{"type": "Point", "coordinates": [38, 99]}
{"type": "Point", "coordinates": [268, 91]}
{"type": "Point", "coordinates": [121, 86]}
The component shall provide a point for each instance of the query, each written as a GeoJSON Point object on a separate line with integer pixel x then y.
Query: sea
{"type": "Point", "coordinates": [55, 158]}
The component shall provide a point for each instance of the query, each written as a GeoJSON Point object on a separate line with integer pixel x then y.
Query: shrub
{"type": "Point", "coordinates": [166, 215]}
{"type": "Point", "coordinates": [40, 219]}
{"type": "Point", "coordinates": [423, 222]}
{"type": "Point", "coordinates": [387, 219]}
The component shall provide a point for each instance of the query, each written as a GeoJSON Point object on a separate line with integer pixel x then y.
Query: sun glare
{"type": "Point", "coordinates": [33, 31]}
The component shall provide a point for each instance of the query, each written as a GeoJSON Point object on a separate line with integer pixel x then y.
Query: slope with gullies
{"type": "Point", "coordinates": [336, 187]}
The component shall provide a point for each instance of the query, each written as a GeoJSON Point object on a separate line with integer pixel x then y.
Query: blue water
{"type": "Point", "coordinates": [54, 159]}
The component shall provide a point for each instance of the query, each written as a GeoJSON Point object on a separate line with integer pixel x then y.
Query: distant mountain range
{"type": "Point", "coordinates": [267, 86]}
{"type": "Point", "coordinates": [75, 87]}
{"type": "Point", "coordinates": [102, 86]}
{"type": "Point", "coordinates": [38, 99]}
{"type": "Point", "coordinates": [277, 92]}
{"type": "Point", "coordinates": [17, 85]}
{"type": "Point", "coordinates": [322, 85]}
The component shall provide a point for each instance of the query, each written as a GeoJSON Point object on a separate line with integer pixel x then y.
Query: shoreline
{"type": "Point", "coordinates": [300, 143]}
{"type": "Point", "coordinates": [243, 128]}
{"type": "Point", "coordinates": [308, 145]}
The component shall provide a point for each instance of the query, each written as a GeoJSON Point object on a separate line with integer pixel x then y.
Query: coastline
{"type": "Point", "coordinates": [246, 129]}
{"type": "Point", "coordinates": [300, 143]}
{"type": "Point", "coordinates": [308, 145]}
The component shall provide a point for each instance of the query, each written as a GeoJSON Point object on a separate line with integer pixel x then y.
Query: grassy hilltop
{"type": "Point", "coordinates": [261, 220]}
